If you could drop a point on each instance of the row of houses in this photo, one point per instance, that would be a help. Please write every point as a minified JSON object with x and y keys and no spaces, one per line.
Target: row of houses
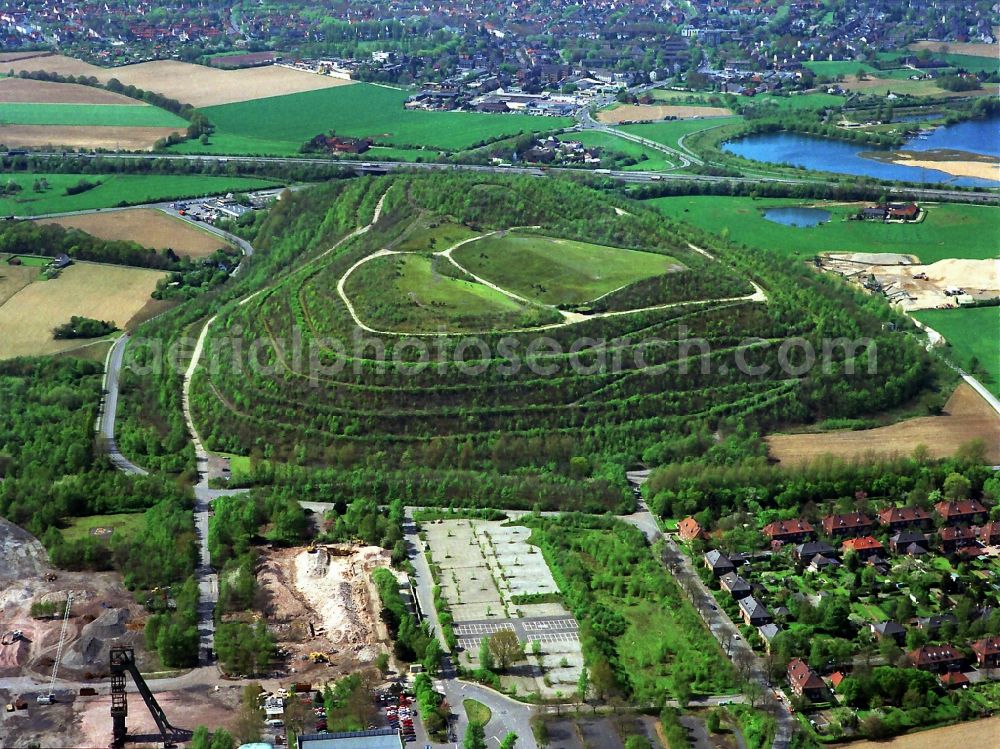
{"x":945,"y":660}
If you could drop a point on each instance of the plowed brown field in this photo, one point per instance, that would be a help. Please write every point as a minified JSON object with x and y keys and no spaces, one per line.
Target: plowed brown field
{"x":197,"y":85}
{"x":966,"y":417}
{"x":83,"y":136}
{"x":23,"y":90}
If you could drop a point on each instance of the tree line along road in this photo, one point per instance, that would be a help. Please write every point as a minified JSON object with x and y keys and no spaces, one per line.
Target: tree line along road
{"x":379,"y":167}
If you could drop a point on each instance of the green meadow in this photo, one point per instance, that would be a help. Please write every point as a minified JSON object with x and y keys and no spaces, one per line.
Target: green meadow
{"x":365,"y":110}
{"x":557,"y":271}
{"x":669,"y":132}
{"x":950,"y":230}
{"x":412,"y":294}
{"x":971,"y":332}
{"x":109,"y":115}
{"x":114,"y":190}
{"x":128,"y":523}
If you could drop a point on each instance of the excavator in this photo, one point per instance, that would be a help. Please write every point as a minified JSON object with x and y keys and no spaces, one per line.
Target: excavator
{"x":122,"y":662}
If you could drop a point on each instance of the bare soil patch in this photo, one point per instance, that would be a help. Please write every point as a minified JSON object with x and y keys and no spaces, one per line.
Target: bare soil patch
{"x":966,"y":416}
{"x":197,"y":85}
{"x":102,"y":292}
{"x":324,"y":603}
{"x":916,"y":287}
{"x":26,"y":577}
{"x":186,"y":708}
{"x":147,"y":226}
{"x":83,"y":136}
{"x":976,"y":49}
{"x":636,"y":112}
{"x":22,"y":91}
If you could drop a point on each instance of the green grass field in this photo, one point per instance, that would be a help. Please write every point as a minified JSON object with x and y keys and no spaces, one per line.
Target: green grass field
{"x":477,"y":712}
{"x":949,"y":231}
{"x":115,"y":189}
{"x":558,"y":271}
{"x":408,"y":294}
{"x":971,"y":333}
{"x":798,"y":101}
{"x":364,"y":110}
{"x":691,"y":98}
{"x":31,"y":261}
{"x":241,"y":145}
{"x":669,"y":133}
{"x":94,"y":115}
{"x":434,"y":235}
{"x":838,"y":67}
{"x":654,"y":160}
{"x":126,"y":522}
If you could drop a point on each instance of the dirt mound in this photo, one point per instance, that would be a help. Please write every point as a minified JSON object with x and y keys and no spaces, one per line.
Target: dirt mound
{"x":338,"y":588}
{"x":112,"y":623}
{"x":13,"y":656}
{"x":96,"y":639}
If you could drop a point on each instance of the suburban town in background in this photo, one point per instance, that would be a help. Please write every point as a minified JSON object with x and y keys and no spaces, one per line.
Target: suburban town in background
{"x":549,"y":375}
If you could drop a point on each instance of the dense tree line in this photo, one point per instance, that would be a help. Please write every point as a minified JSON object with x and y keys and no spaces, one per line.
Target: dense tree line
{"x":411,"y":641}
{"x":243,"y":648}
{"x":83,"y":327}
{"x":70,"y":163}
{"x":235,"y":525}
{"x":49,"y":240}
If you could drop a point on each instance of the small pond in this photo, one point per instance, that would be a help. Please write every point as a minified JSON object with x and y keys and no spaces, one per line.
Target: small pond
{"x":797,"y":216}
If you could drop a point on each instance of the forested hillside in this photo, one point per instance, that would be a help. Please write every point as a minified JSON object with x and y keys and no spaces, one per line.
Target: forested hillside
{"x":378,"y":421}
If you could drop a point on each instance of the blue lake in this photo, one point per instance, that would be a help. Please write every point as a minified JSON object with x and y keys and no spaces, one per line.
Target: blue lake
{"x":796,"y":216}
{"x":842,"y":157}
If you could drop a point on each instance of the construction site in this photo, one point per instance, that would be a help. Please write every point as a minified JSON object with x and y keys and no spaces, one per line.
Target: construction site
{"x":912,"y":286}
{"x":74,"y":662}
{"x":322,"y":608}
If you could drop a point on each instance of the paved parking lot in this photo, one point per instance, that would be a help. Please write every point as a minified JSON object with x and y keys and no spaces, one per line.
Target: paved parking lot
{"x":548,"y":630}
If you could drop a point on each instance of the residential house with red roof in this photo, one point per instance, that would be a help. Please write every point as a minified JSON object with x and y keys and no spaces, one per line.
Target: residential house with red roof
{"x":898,"y":518}
{"x":864,"y":547}
{"x":689,"y":529}
{"x":788,"y":531}
{"x":989,"y":534}
{"x":987,"y":652}
{"x":848,"y":524}
{"x":963,"y":511}
{"x":804,"y":681}
{"x":937,"y":658}
{"x":953,"y":539}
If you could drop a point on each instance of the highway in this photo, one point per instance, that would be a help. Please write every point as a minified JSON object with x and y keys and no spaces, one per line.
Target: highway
{"x":641,"y":177}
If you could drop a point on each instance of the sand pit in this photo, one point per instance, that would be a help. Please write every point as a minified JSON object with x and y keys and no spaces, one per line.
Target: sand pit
{"x":916,"y":287}
{"x":339,"y":589}
{"x":638,"y":112}
{"x":967,"y":415}
{"x":967,"y":168}
{"x":83,"y":136}
{"x":197,"y":85}
{"x":147,"y":226}
{"x":22,"y":90}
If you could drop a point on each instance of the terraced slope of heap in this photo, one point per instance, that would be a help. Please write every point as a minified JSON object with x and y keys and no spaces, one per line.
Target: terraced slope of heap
{"x":542,"y":405}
